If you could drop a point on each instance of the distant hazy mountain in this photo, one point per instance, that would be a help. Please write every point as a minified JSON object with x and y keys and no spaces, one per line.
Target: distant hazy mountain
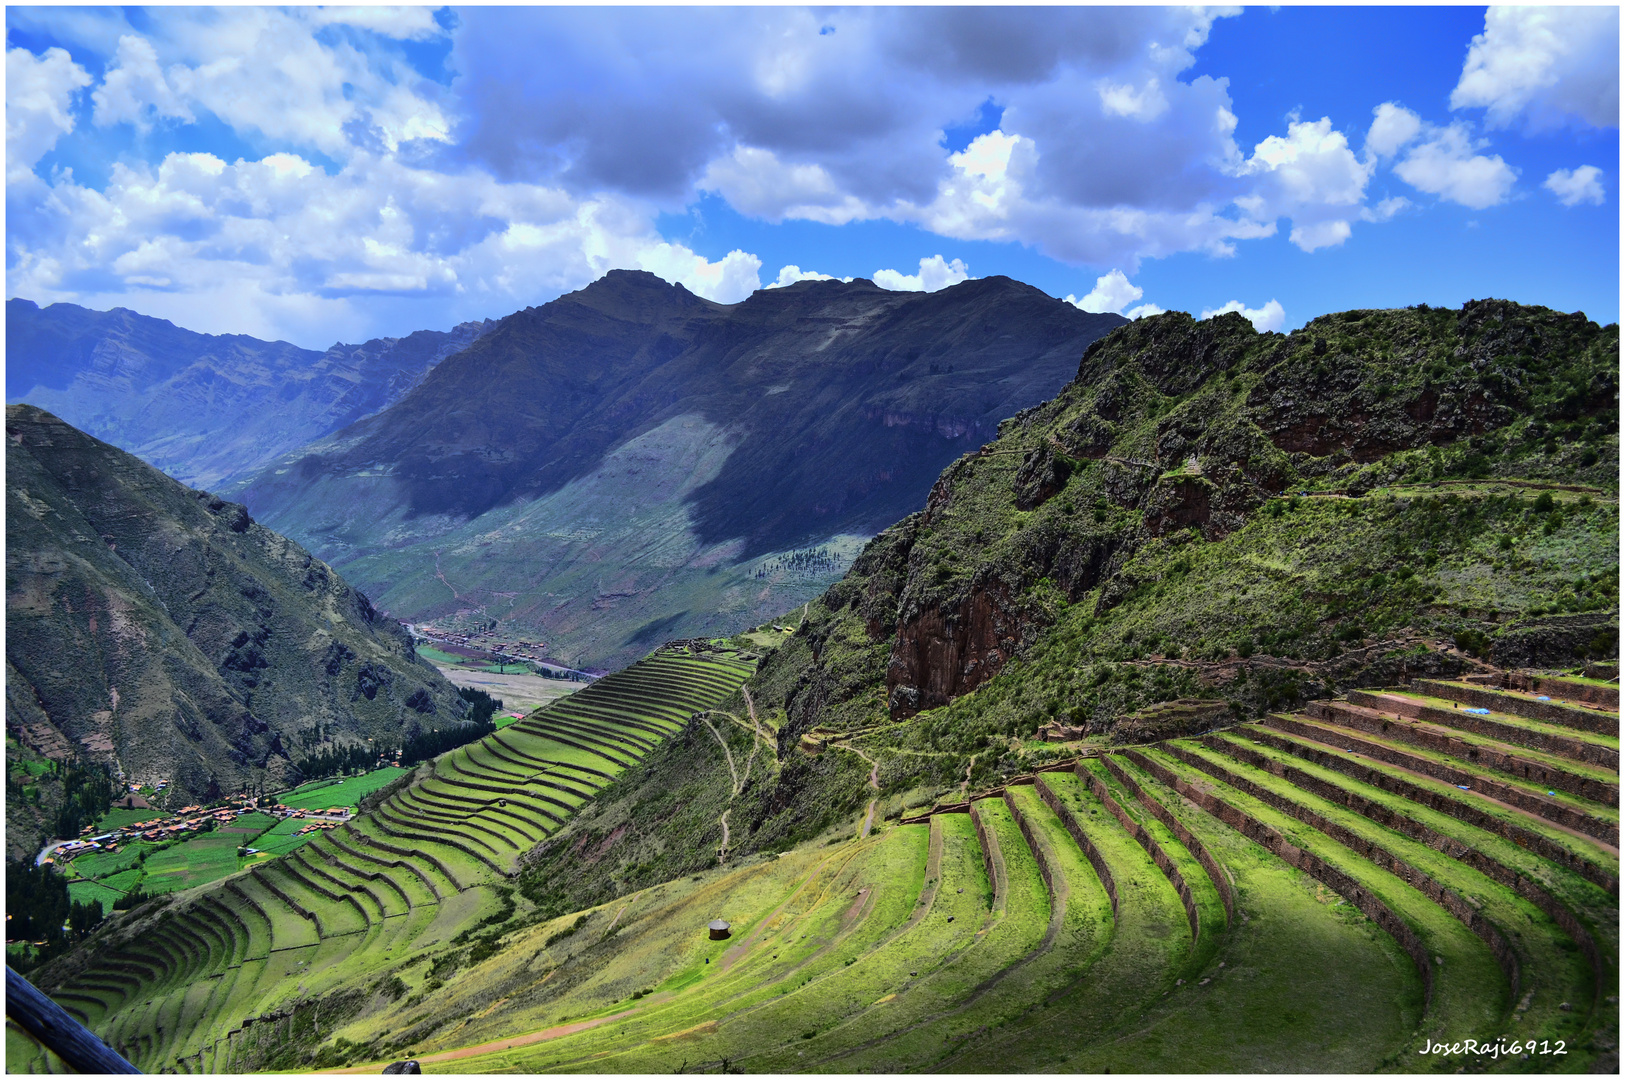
{"x":631,"y":462}
{"x":159,"y":630}
{"x":198,"y":406}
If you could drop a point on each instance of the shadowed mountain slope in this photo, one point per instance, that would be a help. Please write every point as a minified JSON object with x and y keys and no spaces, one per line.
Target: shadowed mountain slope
{"x":159,"y":630}
{"x":799,"y":415}
{"x":203,"y":407}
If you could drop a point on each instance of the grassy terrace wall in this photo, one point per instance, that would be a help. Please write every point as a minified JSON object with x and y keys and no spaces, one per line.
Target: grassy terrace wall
{"x":221,"y":977}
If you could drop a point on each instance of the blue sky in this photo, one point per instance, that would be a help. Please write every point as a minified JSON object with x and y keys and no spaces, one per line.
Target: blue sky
{"x":336,"y":174}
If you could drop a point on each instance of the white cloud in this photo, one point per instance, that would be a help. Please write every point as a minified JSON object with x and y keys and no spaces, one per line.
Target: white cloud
{"x":757,"y":183}
{"x":1143,"y":311}
{"x":279,"y":248}
{"x":727,"y":281}
{"x":789,"y":275}
{"x":400,"y":23}
{"x":1385,"y":210}
{"x":39,"y":93}
{"x":1144,"y":103}
{"x":1573,"y":188}
{"x":134,"y":89}
{"x":1544,"y":66}
{"x":266,"y":71}
{"x":934,"y":274}
{"x":1393,"y":127}
{"x":1270,"y":317}
{"x":1112,"y":292}
{"x":1444,"y":164}
{"x":1311,"y":176}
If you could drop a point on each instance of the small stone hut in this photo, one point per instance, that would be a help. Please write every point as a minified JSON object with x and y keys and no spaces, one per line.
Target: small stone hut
{"x":719,"y":929}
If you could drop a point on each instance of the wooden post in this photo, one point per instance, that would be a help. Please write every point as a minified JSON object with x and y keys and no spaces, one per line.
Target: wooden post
{"x":50,"y":1024}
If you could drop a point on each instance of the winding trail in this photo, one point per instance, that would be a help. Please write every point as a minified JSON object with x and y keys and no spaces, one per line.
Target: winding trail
{"x":874,"y":784}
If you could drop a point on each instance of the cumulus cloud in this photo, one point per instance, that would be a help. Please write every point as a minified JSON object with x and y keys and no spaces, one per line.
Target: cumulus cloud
{"x":1443,"y":163}
{"x":935,"y":273}
{"x":1112,"y":292}
{"x":39,"y":92}
{"x":1544,"y":66}
{"x":1582,"y":185}
{"x":1270,"y":317}
{"x":1311,"y":176}
{"x":1394,"y":126}
{"x":727,"y":281}
{"x":281,"y":248}
{"x":134,"y":90}
{"x":277,"y":73}
{"x":1143,"y":311}
{"x":789,"y":275}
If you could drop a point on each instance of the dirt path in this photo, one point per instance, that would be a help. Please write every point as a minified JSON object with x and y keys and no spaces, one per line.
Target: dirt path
{"x":722,"y":852}
{"x":732,"y":771}
{"x":874,"y":784}
{"x":455,"y":595}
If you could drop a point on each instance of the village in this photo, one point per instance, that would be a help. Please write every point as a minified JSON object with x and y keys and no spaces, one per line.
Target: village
{"x":189,"y":819}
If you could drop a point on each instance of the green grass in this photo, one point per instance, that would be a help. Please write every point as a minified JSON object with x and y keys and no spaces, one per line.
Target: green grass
{"x":1469,"y":990}
{"x":339,"y":791}
{"x":87,"y":891}
{"x":200,"y":859}
{"x":281,"y":838}
{"x":436,"y":656}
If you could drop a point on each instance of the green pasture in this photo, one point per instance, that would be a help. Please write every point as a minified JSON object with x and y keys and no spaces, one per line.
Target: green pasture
{"x":339,"y":791}
{"x":197,"y":860}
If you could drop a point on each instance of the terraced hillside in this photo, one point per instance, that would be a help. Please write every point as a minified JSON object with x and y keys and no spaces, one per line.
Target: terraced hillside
{"x":1340,"y":889}
{"x":1333,"y":890}
{"x":210,"y":980}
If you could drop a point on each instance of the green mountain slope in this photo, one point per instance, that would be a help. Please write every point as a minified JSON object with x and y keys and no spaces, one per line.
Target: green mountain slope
{"x":158,"y":630}
{"x":1136,"y":559}
{"x":631,"y":463}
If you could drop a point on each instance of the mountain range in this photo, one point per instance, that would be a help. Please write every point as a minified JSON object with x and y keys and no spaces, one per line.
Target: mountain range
{"x":203,"y":407}
{"x":631,"y":463}
{"x":626,"y":464}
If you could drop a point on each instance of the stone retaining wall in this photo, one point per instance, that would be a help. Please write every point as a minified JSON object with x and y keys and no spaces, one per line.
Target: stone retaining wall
{"x":1524,"y":838}
{"x":1561,"y":745}
{"x":1215,"y":873}
{"x":1152,"y":848}
{"x":1378,"y":856}
{"x":1086,"y":845}
{"x":1389,"y":818}
{"x":1358,"y":717}
{"x":1311,"y":864}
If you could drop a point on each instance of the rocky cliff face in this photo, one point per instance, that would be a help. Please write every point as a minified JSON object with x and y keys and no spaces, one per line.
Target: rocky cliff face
{"x":161,"y":631}
{"x":804,"y":416}
{"x":204,"y":407}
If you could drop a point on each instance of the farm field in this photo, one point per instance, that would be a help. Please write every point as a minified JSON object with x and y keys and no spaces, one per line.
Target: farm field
{"x":339,"y":791}
{"x":1308,"y":892}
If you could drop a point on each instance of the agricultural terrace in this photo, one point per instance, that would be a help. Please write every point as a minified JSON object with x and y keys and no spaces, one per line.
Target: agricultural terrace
{"x":181,"y":983}
{"x":1327,"y":890}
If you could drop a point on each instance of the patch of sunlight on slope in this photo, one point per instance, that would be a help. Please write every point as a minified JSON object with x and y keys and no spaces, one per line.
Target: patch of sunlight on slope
{"x":610,"y":564}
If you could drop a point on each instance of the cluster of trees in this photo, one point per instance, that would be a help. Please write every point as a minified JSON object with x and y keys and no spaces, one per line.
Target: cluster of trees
{"x":808,"y":561}
{"x":87,"y":792}
{"x":477,"y":725}
{"x":38,"y":909}
{"x":337,"y":760}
